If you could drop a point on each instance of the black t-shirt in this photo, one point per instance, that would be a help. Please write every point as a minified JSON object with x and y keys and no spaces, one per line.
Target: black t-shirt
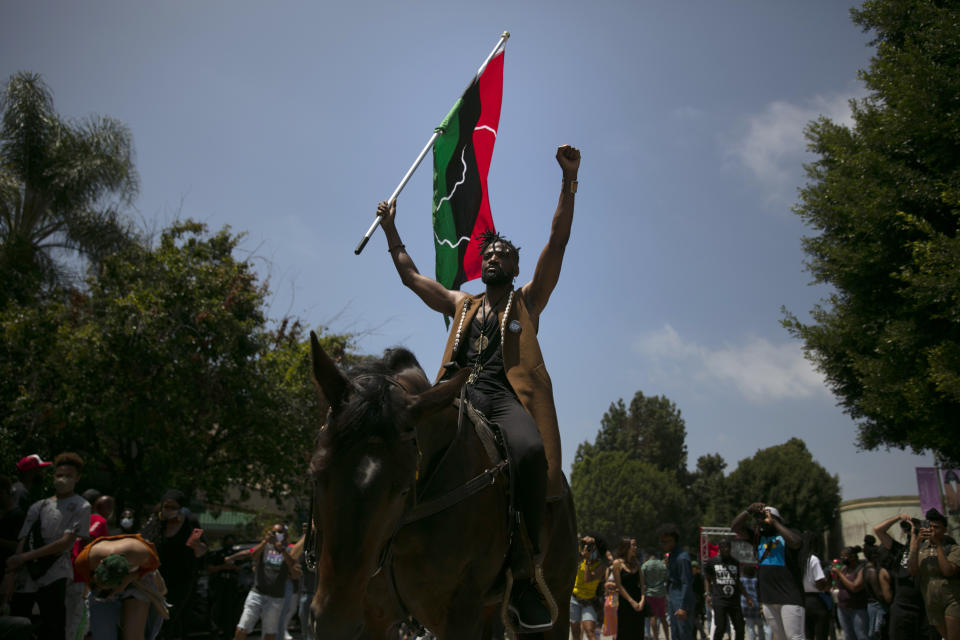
{"x":779,"y":575}
{"x":270,"y":574}
{"x":724,"y":580}
{"x":178,"y":562}
{"x":483,"y":342}
{"x":906,"y":594}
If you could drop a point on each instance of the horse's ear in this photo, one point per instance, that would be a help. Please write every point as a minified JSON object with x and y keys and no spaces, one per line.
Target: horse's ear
{"x":330,"y":382}
{"x":439,"y":396}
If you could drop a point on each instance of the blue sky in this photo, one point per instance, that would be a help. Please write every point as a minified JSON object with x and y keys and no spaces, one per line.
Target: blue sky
{"x":290,"y":120}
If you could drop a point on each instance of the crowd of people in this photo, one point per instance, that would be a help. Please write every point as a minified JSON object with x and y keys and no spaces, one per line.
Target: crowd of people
{"x":907,"y":587}
{"x":69,"y":575}
{"x":85,"y":578}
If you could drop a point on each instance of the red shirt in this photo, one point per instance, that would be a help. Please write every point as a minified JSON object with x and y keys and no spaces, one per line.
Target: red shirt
{"x":98,"y":529}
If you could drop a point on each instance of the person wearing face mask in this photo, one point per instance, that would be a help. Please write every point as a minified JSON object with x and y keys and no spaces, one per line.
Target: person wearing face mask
{"x":273,"y":565}
{"x":128,"y":521}
{"x":41,"y":568}
{"x":178,"y":537}
{"x":780,"y":574}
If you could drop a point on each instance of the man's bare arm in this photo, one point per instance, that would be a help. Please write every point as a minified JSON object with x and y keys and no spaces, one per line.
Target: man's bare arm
{"x":547,"y":272}
{"x":434,"y":294}
{"x":881,"y":529}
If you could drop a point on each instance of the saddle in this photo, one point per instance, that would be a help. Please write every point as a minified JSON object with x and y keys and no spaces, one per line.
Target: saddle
{"x":519,"y":557}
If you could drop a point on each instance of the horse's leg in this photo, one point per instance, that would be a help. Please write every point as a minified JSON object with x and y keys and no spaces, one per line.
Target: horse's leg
{"x":560,"y":565}
{"x":465,"y":619}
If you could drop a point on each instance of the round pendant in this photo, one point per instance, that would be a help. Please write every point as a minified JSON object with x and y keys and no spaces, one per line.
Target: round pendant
{"x":481,"y":343}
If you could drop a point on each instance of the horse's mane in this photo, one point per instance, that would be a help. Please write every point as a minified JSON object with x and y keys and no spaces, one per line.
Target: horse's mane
{"x":370,"y":409}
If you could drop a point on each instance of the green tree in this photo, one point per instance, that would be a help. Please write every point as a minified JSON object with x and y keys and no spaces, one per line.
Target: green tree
{"x":633,"y":477}
{"x":616,"y":495}
{"x":650,"y":429}
{"x":884,"y":200}
{"x":164,"y":372}
{"x":708,"y":491}
{"x":56,"y":178}
{"x":787,"y":477}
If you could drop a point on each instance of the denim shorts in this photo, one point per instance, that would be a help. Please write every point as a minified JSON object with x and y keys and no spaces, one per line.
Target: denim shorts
{"x":582,"y":611}
{"x":264,"y":608}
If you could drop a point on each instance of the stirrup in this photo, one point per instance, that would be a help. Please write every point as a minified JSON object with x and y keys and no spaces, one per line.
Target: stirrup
{"x":505,"y":610}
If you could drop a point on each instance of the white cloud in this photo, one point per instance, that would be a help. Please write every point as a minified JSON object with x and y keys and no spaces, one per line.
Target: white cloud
{"x":760,"y":370}
{"x":773,"y":147}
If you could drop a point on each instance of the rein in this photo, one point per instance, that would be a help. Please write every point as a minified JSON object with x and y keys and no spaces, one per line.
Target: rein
{"x":418,"y":510}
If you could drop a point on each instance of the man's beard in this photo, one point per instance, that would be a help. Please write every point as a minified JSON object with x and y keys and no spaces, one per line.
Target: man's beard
{"x":495,"y":278}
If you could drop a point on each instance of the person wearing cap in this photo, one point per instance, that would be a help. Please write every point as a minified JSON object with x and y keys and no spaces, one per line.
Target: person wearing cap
{"x":780,"y":575}
{"x":41,"y":568}
{"x":26,"y":490}
{"x":936,"y":564}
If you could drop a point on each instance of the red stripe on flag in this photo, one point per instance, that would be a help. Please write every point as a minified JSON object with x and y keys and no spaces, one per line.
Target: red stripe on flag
{"x":491,"y":95}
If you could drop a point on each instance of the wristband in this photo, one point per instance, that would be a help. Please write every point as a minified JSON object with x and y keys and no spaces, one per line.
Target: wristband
{"x":572,"y":189}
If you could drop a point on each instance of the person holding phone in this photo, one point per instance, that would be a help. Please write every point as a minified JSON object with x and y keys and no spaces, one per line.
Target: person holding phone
{"x":937,"y":566}
{"x":272,"y":566}
{"x":583,"y":609}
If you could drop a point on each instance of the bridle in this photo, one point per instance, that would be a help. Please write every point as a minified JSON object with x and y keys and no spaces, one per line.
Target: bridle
{"x":415,"y":510}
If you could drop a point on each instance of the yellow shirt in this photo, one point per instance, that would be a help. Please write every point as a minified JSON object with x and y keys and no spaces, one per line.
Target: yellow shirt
{"x":582,"y":588}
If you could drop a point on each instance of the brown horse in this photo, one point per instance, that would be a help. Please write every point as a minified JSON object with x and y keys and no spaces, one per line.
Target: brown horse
{"x":390,"y":448}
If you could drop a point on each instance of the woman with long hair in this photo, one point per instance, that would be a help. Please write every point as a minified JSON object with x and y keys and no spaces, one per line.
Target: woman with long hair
{"x":852,"y":596}
{"x":629,"y":581}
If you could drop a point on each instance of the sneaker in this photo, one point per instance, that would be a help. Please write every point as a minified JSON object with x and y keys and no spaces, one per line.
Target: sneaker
{"x":532,"y":616}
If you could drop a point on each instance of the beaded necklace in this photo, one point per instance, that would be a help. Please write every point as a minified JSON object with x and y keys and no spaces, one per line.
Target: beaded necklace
{"x":482,"y":341}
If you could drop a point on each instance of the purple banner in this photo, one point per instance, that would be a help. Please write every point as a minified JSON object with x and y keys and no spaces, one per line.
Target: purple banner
{"x":951,"y":491}
{"x":928,"y":484}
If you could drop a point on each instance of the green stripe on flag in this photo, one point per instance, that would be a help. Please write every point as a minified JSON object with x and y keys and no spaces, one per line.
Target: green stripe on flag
{"x":448,"y":258}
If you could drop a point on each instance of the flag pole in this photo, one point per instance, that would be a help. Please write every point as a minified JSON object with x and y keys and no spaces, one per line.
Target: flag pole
{"x":426,"y":149}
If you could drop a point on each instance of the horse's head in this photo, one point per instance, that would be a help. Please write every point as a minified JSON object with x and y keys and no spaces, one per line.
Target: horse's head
{"x":363,"y":471}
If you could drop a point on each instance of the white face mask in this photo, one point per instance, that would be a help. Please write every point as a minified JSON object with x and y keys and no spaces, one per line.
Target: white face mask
{"x":279,"y":536}
{"x":127,"y":523}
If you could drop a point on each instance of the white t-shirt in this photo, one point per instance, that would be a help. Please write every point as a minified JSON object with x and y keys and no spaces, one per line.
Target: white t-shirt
{"x":57,"y":517}
{"x":811,"y":573}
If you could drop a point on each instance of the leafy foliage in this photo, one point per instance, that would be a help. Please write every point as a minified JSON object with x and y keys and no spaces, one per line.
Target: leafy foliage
{"x":884,"y":200}
{"x":787,"y":477}
{"x":56,"y":178}
{"x":651,"y":429}
{"x":165,"y":373}
{"x":619,"y":495}
{"x":633,"y":476}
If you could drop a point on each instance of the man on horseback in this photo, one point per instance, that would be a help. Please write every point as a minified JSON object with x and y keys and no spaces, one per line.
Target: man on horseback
{"x":494,"y":334}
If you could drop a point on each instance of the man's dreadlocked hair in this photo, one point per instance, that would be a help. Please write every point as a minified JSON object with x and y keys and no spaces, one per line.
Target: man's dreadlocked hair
{"x":489,"y":237}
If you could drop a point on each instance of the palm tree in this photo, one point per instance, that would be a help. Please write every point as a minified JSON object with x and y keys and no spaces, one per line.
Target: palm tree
{"x":57,"y":179}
